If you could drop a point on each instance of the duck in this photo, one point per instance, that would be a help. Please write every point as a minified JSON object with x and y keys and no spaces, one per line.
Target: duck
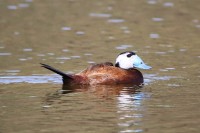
{"x":124,"y":71}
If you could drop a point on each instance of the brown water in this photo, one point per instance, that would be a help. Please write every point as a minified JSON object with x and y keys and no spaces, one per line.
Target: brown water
{"x":72,"y":34}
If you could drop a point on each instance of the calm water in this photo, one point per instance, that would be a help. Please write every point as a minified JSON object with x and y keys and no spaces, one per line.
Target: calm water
{"x":72,"y":34}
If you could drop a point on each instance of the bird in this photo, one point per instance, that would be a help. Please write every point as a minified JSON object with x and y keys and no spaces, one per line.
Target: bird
{"x":125,"y":71}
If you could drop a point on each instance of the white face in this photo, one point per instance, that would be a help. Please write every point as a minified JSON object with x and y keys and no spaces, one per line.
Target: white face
{"x":129,"y":60}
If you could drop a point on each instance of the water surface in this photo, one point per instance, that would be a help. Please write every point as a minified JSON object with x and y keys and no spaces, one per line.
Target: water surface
{"x":70,"y":35}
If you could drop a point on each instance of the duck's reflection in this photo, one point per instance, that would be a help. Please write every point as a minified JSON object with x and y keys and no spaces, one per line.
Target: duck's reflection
{"x":102,"y":90}
{"x":128,"y":100}
{"x":130,"y":110}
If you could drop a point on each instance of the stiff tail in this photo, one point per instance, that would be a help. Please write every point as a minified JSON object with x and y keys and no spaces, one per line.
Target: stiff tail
{"x":64,"y":75}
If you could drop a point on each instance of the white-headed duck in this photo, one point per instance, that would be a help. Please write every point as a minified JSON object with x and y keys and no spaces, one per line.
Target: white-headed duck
{"x":123,"y":72}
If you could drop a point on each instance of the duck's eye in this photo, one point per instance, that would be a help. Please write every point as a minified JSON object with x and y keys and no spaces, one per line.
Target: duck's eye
{"x":141,"y":63}
{"x":117,"y":64}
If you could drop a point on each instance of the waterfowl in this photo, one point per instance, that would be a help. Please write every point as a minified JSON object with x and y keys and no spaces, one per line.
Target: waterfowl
{"x":123,"y":72}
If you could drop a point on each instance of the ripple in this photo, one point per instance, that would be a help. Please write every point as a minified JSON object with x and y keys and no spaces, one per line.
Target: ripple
{"x":170,"y":68}
{"x":152,"y":2}
{"x":161,"y":53}
{"x":132,"y":131}
{"x":66,"y":28}
{"x":76,"y":56}
{"x":30,"y":79}
{"x":27,"y":49}
{"x":100,"y":15}
{"x":23,"y":5}
{"x":51,"y":54}
{"x":168,"y":4}
{"x":116,"y":20}
{"x":63,"y":58}
{"x":154,"y":35}
{"x":148,"y":78}
{"x":197,"y":26}
{"x":88,"y":54}
{"x":12,"y":71}
{"x":28,"y":0}
{"x":54,"y":78}
{"x":182,"y":50}
{"x":80,"y":33}
{"x":65,"y":50}
{"x":40,"y":55}
{"x":46,"y":106}
{"x":90,"y":62}
{"x":124,"y":46}
{"x":12,"y":7}
{"x":5,"y":54}
{"x":22,"y":59}
{"x":16,"y":33}
{"x":173,"y":85}
{"x":157,"y":19}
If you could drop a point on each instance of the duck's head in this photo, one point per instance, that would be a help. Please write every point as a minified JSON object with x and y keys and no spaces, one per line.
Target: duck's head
{"x":129,"y":59}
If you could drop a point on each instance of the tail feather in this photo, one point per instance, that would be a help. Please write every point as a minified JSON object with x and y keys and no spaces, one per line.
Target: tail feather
{"x":64,"y":75}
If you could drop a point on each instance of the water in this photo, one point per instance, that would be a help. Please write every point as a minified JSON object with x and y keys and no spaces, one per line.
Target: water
{"x":70,"y":35}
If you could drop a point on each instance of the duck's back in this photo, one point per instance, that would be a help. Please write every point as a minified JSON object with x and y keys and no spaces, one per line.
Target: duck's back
{"x":106,"y":73}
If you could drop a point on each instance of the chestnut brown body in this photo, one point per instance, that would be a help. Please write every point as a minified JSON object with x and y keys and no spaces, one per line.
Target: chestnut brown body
{"x":104,"y":73}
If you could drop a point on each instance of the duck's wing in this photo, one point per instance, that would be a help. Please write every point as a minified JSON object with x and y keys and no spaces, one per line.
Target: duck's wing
{"x":95,"y":68}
